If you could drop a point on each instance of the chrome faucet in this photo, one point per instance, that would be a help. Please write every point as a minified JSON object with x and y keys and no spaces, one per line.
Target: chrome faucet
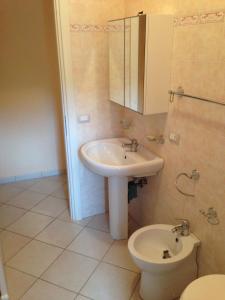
{"x":133,"y":145}
{"x":183,"y":229}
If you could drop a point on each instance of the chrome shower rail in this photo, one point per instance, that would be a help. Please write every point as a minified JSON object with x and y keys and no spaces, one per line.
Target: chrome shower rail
{"x":180,"y":93}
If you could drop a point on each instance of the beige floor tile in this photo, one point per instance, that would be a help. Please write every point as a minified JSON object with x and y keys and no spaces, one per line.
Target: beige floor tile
{"x":70,"y":271}
{"x":61,"y":192}
{"x":109,"y":283}
{"x":46,"y":186}
{"x":65,"y":216}
{"x":9,"y":214}
{"x":58,"y":178}
{"x":7,"y":191}
{"x":59,"y":233}
{"x":26,"y":199}
{"x":92,"y":243}
{"x":34,"y":258}
{"x":119,"y":255}
{"x":42,"y":290}
{"x":11,"y":243}
{"x":80,"y":297}
{"x":51,"y":206}
{"x":30,"y":224}
{"x":100,"y":222}
{"x":18,"y":283}
{"x":25,"y":184}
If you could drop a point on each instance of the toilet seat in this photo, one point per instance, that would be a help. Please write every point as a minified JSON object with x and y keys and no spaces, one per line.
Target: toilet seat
{"x":206,"y":288}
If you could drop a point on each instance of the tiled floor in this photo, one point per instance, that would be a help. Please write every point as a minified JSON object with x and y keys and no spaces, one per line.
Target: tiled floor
{"x":47,"y":256}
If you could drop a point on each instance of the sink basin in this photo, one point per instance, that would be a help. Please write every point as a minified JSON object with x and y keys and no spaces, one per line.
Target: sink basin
{"x":108,"y":158}
{"x":167,"y":261}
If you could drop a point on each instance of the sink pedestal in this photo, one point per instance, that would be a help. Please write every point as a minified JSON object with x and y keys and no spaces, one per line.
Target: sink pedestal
{"x":107,"y":158}
{"x":118,"y":207}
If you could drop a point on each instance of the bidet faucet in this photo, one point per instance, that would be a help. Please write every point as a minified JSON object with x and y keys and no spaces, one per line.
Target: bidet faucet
{"x":183,"y":229}
{"x":133,"y":145}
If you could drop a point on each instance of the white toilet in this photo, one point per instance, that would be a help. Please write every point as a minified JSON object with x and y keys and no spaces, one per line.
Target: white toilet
{"x":167,"y":261}
{"x":206,"y":288}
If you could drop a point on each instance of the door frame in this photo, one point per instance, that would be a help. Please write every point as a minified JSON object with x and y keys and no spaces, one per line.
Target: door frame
{"x":62,"y":28}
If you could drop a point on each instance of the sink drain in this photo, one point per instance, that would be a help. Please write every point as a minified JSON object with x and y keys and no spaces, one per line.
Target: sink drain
{"x":166,"y":254}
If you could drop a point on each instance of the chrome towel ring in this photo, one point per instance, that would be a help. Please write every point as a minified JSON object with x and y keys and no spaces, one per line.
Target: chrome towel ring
{"x":195,"y":175}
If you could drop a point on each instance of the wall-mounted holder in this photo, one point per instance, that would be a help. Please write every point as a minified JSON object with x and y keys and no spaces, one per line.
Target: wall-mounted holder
{"x":180,"y":93}
{"x":211,"y":215}
{"x":195,"y":175}
{"x":159,"y":139}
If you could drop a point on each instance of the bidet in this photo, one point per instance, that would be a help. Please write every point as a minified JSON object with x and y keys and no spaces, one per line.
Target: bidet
{"x":167,"y":261}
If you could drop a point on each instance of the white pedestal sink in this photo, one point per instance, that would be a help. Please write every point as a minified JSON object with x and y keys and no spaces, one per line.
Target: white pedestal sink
{"x":108,"y":158}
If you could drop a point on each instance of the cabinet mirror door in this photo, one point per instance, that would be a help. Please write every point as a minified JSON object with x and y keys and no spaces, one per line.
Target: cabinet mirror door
{"x":116,"y":61}
{"x":127,"y":62}
{"x":135,"y":62}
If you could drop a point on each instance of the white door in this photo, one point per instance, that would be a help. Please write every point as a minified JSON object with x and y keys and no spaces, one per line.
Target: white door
{"x":3,"y":286}
{"x":67,"y":95}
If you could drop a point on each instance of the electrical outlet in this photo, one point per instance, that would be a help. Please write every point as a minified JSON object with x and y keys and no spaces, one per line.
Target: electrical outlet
{"x":84,"y":118}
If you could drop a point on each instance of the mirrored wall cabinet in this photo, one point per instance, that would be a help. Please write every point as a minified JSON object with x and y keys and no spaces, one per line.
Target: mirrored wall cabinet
{"x":140,"y":51}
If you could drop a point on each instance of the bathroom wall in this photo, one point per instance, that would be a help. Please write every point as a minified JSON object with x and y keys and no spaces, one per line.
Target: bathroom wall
{"x":199,"y":66}
{"x":89,"y":39}
{"x":31,"y":135}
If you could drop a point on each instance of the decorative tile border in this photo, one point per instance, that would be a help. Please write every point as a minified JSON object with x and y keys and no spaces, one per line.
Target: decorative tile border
{"x":210,"y":17}
{"x":95,"y":28}
{"x":187,"y":20}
